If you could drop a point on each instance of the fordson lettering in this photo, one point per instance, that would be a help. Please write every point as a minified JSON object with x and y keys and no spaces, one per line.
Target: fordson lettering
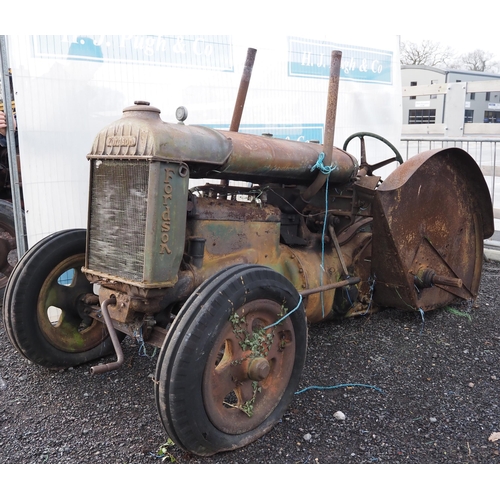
{"x":165,"y":216}
{"x":121,"y":141}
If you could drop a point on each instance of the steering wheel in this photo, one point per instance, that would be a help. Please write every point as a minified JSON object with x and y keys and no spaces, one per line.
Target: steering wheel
{"x":370,"y":168}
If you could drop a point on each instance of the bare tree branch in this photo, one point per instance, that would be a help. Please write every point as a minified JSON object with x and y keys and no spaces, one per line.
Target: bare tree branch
{"x":430,"y":53}
{"x":479,"y":60}
{"x":427,"y":53}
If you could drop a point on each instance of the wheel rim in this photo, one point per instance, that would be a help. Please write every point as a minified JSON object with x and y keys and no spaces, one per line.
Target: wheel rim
{"x":8,"y":255}
{"x":249,"y":367}
{"x":60,"y":310}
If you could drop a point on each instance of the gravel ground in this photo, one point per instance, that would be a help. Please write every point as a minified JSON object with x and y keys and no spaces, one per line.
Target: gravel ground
{"x":427,"y":394}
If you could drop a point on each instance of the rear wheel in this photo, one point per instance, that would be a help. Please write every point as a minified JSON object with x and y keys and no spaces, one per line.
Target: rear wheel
{"x":43,"y":308}
{"x":232,"y":361}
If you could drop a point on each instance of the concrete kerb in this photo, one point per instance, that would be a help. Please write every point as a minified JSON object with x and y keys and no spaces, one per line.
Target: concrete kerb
{"x":492,"y":245}
{"x":492,"y":250}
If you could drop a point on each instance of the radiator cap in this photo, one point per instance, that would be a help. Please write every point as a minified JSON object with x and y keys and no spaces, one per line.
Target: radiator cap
{"x":142,"y":106}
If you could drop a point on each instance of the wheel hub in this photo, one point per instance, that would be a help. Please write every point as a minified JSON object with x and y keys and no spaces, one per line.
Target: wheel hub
{"x":59,"y":309}
{"x":258,"y":369}
{"x":249,"y":367}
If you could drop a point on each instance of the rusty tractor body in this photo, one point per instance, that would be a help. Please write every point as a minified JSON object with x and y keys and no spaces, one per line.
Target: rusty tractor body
{"x":224,"y":277}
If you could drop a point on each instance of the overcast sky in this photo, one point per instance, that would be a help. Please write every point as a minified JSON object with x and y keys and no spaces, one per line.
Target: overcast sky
{"x":464,"y":27}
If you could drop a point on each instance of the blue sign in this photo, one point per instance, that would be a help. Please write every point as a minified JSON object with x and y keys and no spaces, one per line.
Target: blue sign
{"x":210,"y":52}
{"x":312,"y":59}
{"x":306,"y":132}
{"x":299,"y":132}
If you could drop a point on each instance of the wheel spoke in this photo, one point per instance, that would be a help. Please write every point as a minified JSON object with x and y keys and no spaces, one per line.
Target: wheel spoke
{"x":59,"y":296}
{"x":227,"y":372}
{"x":282,"y":339}
{"x":247,"y":395}
{"x":80,"y":281}
{"x":363,"y":150}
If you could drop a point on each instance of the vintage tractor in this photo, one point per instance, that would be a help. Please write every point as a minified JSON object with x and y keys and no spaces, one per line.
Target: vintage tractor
{"x":224,"y":278}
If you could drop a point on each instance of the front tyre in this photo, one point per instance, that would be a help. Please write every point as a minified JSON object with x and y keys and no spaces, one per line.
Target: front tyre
{"x":43,"y":310}
{"x":232,"y":360}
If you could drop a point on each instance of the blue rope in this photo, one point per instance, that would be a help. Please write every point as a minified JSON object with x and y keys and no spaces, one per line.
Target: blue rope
{"x":423,"y":320}
{"x":142,"y":345}
{"x":286,"y":315}
{"x":371,"y":282}
{"x":327,"y":170}
{"x":339,"y":387}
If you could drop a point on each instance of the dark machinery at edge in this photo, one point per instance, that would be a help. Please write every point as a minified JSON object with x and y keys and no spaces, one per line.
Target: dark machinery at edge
{"x":224,"y":279}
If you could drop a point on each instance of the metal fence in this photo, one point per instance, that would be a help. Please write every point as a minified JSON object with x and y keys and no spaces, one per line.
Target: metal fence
{"x":486,"y":153}
{"x":480,"y":140}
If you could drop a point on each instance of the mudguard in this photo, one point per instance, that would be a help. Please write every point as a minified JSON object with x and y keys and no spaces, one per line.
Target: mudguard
{"x":431,"y":216}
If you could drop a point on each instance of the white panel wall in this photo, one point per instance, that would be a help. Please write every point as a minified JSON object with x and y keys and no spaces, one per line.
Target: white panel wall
{"x":68,"y":87}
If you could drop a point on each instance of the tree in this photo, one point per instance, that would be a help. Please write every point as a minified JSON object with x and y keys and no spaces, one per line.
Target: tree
{"x":479,"y":60}
{"x":427,"y":53}
{"x":430,"y":53}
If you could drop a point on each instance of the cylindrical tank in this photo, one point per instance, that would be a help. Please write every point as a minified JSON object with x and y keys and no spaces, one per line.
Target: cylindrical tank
{"x":213,"y":153}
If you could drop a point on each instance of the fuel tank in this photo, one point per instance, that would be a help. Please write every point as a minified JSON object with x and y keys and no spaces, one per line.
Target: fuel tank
{"x":210,"y":153}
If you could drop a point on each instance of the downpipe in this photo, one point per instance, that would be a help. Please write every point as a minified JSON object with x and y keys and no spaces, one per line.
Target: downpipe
{"x":114,"y":338}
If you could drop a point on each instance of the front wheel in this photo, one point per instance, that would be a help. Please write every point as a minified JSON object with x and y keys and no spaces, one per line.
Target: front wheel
{"x":232,"y":360}
{"x":43,"y":310}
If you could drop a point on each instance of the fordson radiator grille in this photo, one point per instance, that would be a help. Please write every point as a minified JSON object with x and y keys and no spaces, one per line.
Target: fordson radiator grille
{"x":117,"y":218}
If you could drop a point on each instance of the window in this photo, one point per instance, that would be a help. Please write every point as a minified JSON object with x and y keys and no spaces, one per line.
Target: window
{"x":472,"y":96}
{"x":469,"y":116}
{"x":488,"y":96}
{"x":413,"y":84}
{"x":419,"y":116}
{"x":492,"y":117}
{"x":433,"y":96}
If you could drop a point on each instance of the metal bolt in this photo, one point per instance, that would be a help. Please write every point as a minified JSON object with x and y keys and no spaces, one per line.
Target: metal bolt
{"x":258,"y":369}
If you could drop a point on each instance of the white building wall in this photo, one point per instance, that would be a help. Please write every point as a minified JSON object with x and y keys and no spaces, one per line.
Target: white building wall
{"x":68,"y":87}
{"x":426,"y":75}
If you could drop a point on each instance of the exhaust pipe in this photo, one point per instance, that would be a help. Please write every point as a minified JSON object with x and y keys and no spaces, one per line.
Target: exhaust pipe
{"x":242,"y":95}
{"x":331,"y":115}
{"x":114,"y":338}
{"x":242,"y":92}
